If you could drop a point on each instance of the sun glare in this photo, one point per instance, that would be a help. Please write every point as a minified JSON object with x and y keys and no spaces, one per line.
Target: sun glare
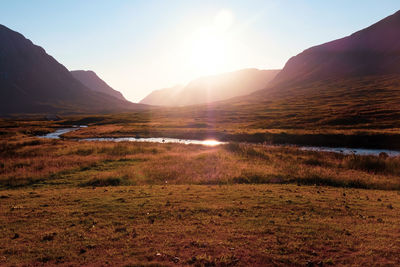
{"x":211,"y":142}
{"x":224,"y":20}
{"x":207,"y":48}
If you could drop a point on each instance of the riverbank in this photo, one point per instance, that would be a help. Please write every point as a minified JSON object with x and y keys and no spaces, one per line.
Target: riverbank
{"x":140,"y":126}
{"x":369,"y":139}
{"x":59,"y":133}
{"x":95,"y":203}
{"x":32,"y":161}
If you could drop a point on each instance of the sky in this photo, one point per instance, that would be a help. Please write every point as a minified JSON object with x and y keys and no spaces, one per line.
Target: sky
{"x":140,"y":46}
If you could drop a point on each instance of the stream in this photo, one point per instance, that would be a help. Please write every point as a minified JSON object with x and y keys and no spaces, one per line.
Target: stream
{"x":342,"y":150}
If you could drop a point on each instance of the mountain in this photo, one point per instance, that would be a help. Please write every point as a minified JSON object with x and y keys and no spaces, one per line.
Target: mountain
{"x":371,"y":51}
{"x":93,"y":82}
{"x":212,"y":88}
{"x":353,"y":82}
{"x":163,"y":97}
{"x":31,"y":81}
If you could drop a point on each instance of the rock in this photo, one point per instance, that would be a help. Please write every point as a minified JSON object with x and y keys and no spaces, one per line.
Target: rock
{"x":383,"y":155}
{"x":49,"y":237}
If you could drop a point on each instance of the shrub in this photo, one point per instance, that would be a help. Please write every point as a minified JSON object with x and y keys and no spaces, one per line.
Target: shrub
{"x":110,"y":181}
{"x":256,"y":178}
{"x":247,"y":150}
{"x":374,"y":164}
{"x":85,"y":151}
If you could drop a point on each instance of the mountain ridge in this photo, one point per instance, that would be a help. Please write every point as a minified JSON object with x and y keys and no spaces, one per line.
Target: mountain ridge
{"x":373,"y":50}
{"x":92,"y":81}
{"x":212,"y":88}
{"x":31,"y":81}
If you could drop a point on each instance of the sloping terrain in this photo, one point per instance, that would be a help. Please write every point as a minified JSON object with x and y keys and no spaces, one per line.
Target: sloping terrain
{"x":371,"y":51}
{"x":212,"y":88}
{"x":353,"y":82}
{"x":163,"y":97}
{"x":92,"y":81}
{"x":31,"y":81}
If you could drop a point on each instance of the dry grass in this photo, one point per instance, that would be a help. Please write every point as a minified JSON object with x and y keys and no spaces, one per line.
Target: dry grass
{"x":241,"y":225}
{"x":31,"y":161}
{"x":135,"y":204}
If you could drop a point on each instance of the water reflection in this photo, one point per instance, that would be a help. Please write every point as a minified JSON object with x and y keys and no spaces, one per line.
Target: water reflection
{"x":160,"y":140}
{"x":212,"y":142}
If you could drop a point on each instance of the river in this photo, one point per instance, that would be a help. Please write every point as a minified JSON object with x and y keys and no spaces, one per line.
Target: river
{"x":342,"y":150}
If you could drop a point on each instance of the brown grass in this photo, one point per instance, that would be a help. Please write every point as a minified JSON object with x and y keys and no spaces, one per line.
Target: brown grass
{"x":27,"y":161}
{"x":143,"y":204}
{"x":169,"y":225}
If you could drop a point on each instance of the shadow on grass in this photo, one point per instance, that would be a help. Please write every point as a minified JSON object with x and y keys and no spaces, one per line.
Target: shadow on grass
{"x":110,"y":181}
{"x":311,"y":179}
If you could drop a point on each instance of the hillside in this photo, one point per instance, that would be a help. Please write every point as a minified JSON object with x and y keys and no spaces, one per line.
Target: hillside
{"x":31,"y":81}
{"x":371,"y":51}
{"x":92,"y":81}
{"x":353,"y":82}
{"x":212,"y":88}
{"x":163,"y":97}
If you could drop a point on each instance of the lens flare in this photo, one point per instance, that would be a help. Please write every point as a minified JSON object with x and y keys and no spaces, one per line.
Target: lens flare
{"x":223,"y":21}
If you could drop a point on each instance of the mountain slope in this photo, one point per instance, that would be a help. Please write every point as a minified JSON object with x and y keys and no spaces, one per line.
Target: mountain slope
{"x":212,"y":88}
{"x":93,"y":82}
{"x":163,"y":97}
{"x":31,"y":81}
{"x":371,"y":51}
{"x":353,"y":82}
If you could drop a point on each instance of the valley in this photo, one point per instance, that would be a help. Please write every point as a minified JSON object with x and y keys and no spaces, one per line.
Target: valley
{"x":297,"y":166}
{"x":86,"y":202}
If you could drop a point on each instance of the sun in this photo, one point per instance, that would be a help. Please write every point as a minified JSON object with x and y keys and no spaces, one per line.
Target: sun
{"x":207,"y":47}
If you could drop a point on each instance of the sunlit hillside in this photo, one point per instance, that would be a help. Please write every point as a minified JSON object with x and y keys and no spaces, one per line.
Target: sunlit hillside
{"x":212,"y":88}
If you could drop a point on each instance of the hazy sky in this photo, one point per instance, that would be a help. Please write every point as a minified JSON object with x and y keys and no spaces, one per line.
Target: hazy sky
{"x":139,"y":46}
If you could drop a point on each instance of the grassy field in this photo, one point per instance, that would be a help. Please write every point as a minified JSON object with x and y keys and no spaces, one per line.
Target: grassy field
{"x":72,"y":202}
{"x":354,"y":112}
{"x":199,"y":225}
{"x":29,"y":161}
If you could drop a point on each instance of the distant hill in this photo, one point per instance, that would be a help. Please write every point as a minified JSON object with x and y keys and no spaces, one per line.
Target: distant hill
{"x":31,"y":81}
{"x":163,"y":97}
{"x":212,"y":88}
{"x":371,"y":51}
{"x":92,"y":81}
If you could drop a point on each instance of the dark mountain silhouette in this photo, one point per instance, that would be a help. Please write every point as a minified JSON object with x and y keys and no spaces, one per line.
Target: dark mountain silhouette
{"x":92,"y":81}
{"x":212,"y":88}
{"x":350,"y":82}
{"x":371,"y":51}
{"x":31,"y":81}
